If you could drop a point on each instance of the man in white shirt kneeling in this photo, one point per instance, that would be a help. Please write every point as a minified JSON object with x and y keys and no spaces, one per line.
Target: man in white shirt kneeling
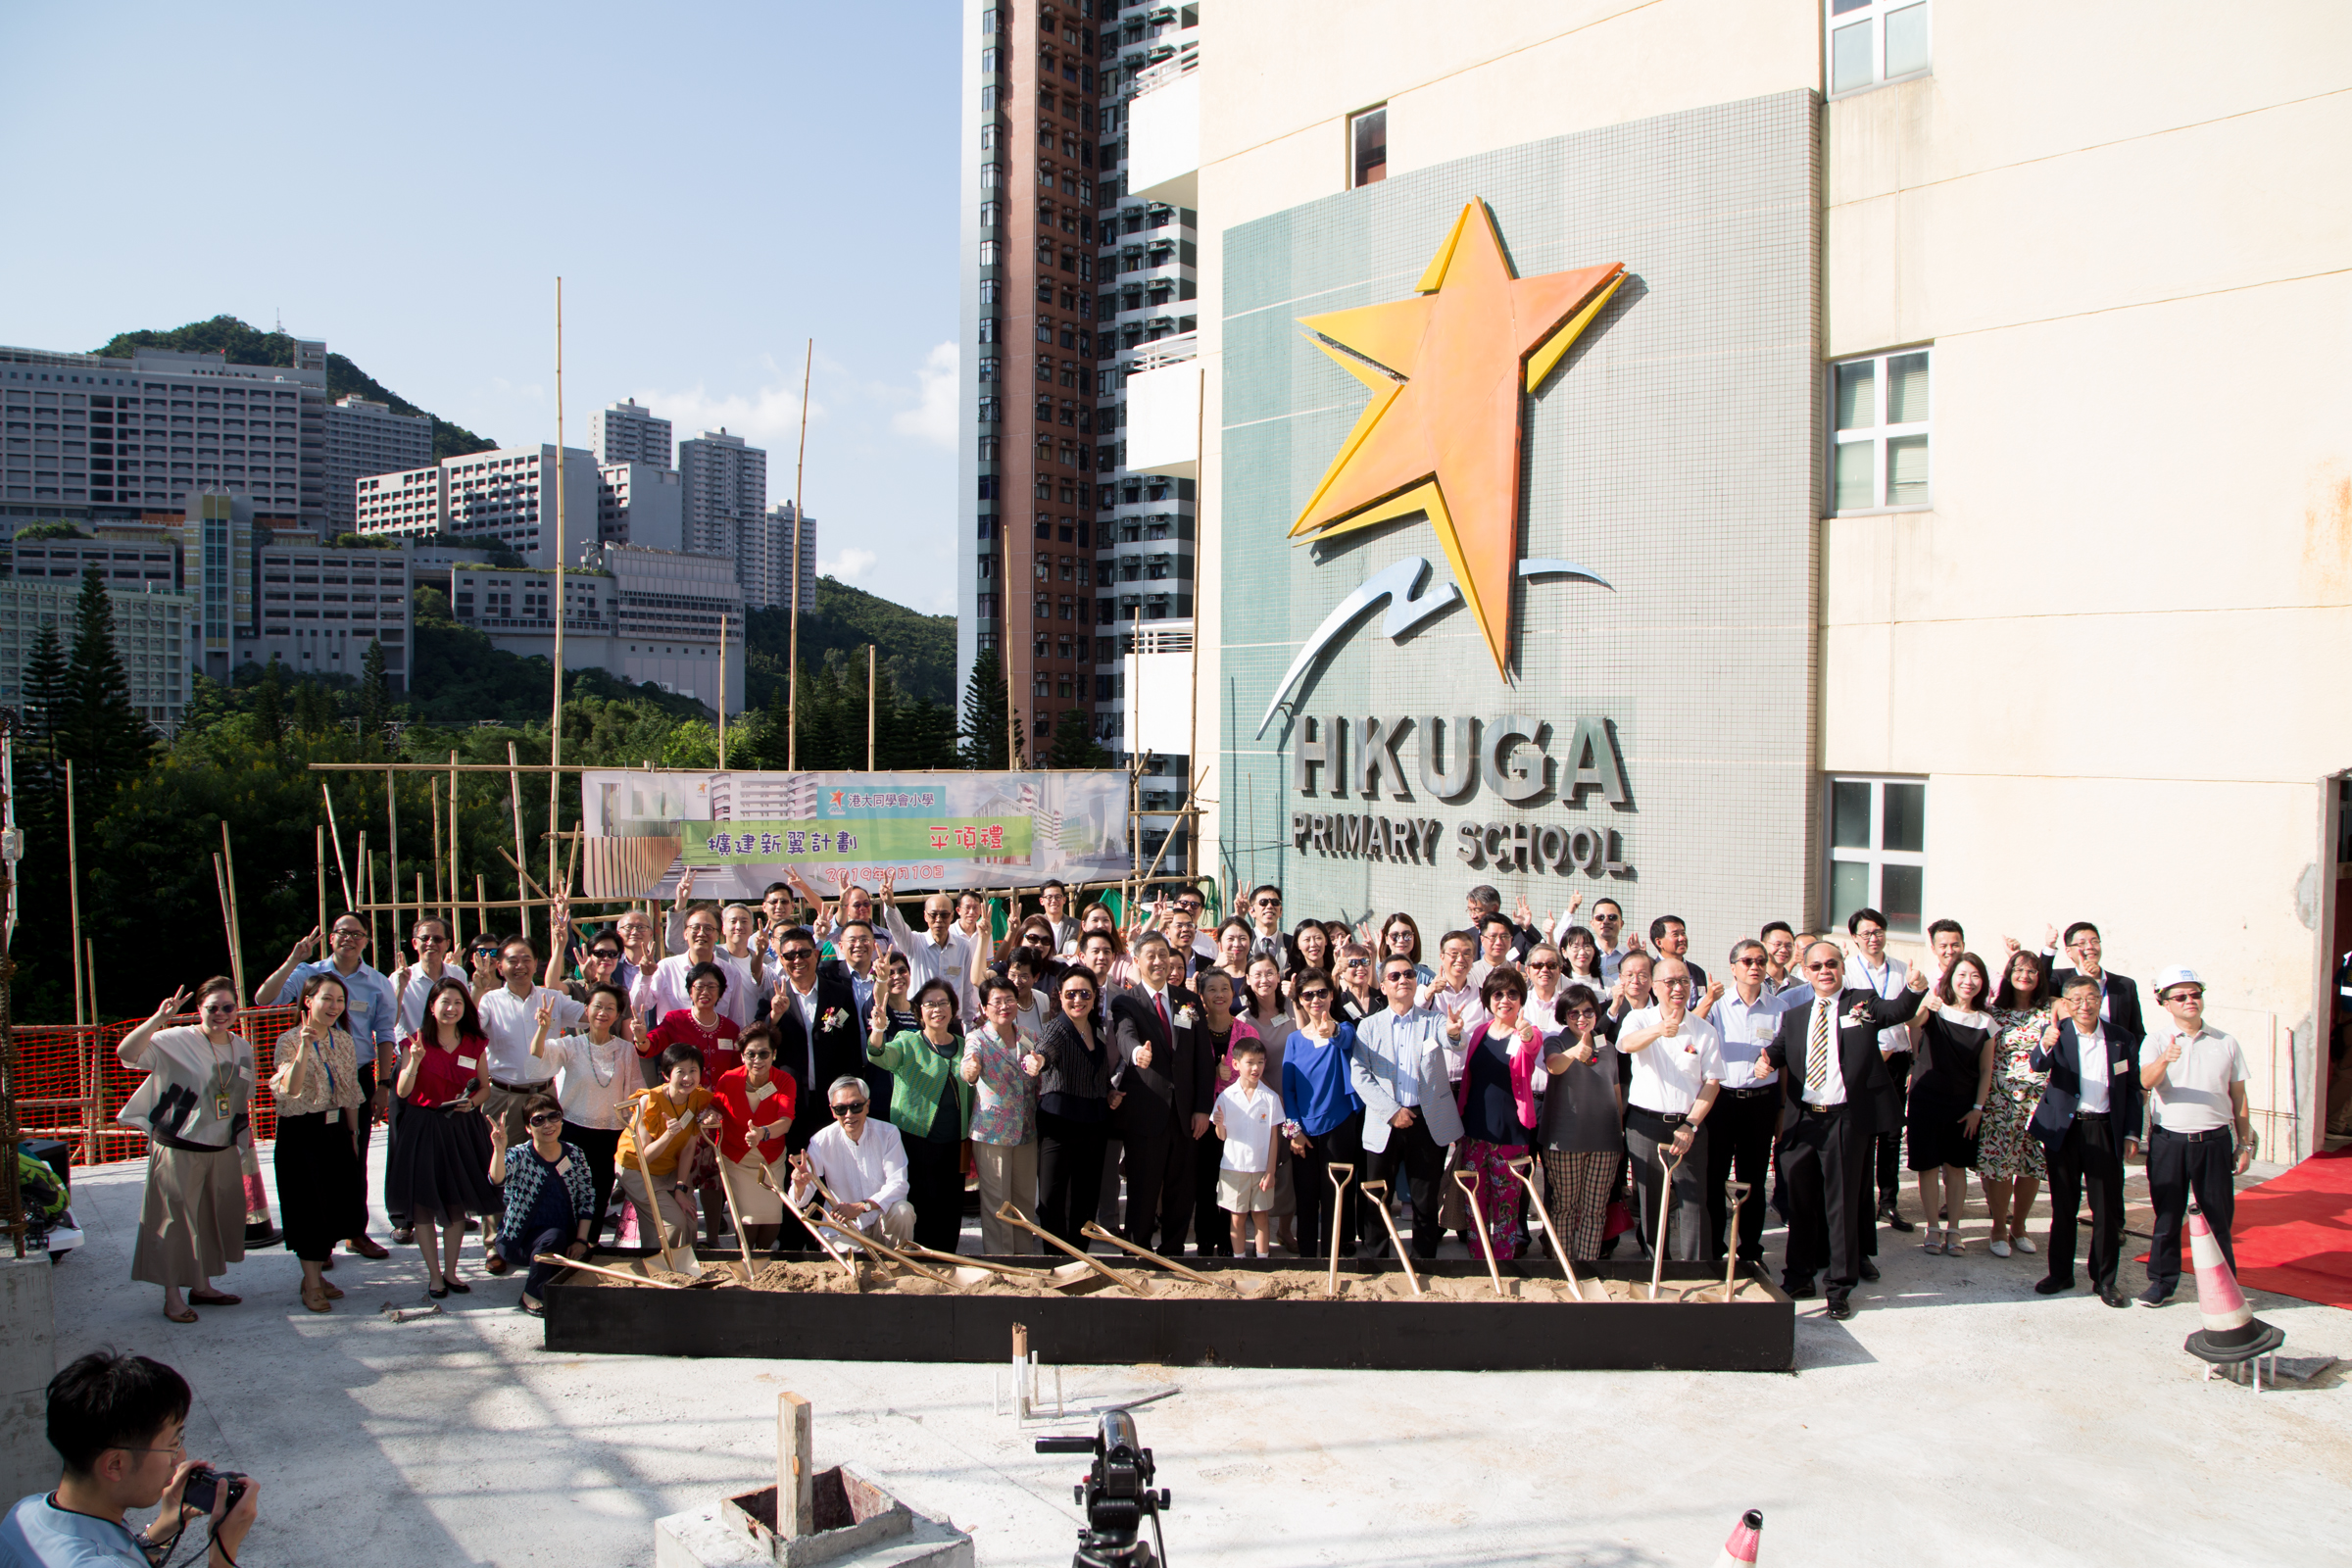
{"x":861,"y":1163}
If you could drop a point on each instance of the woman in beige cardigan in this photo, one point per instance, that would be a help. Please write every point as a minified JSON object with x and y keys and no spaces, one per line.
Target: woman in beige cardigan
{"x":321,"y":1197}
{"x":193,"y":1107}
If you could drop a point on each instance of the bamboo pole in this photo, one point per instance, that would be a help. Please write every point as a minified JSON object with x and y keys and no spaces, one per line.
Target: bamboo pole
{"x":555,"y":728}
{"x":723,"y":697}
{"x":481,"y":903}
{"x":73,"y":893}
{"x":792,"y":651}
{"x":870,"y":708}
{"x":236,"y":934}
{"x":457,"y":889}
{"x":341,"y":875}
{"x":319,"y":832}
{"x":366,"y":891}
{"x":229,"y":924}
{"x":522,"y":850}
{"x":433,"y":788}
{"x":392,"y":855}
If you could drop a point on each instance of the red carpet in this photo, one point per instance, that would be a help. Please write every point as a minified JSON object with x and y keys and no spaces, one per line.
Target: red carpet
{"x":2293,"y":1232}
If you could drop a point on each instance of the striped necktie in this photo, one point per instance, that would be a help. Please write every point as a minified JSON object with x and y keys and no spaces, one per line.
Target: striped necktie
{"x":1817,"y":1051}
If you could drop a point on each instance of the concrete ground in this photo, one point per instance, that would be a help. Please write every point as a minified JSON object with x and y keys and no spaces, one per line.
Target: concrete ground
{"x":1958,"y":1419}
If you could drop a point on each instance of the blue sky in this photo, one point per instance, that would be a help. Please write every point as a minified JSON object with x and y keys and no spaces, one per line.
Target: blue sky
{"x":715,"y":183}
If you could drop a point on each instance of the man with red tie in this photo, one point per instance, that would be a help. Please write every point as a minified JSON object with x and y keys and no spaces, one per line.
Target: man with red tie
{"x":1841,"y":1098}
{"x":1162,"y":1090}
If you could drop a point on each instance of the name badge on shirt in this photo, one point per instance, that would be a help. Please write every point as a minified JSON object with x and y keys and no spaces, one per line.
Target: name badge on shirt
{"x":1762,"y":1030}
{"x":758,"y":1097}
{"x":467,"y":1061}
{"x":2119,"y":1068}
{"x":563,"y":1166}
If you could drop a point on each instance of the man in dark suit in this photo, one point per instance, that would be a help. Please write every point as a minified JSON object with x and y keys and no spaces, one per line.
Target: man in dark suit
{"x":1162,"y":1090}
{"x":820,"y":1036}
{"x":2087,"y":1122}
{"x":2118,"y":997}
{"x":1839,"y":1099}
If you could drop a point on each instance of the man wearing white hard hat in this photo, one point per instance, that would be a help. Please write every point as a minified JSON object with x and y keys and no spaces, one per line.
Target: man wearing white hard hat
{"x":2200,"y":1138}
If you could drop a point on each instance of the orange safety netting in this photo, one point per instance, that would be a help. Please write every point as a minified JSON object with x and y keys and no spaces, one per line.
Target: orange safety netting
{"x":71,"y":1084}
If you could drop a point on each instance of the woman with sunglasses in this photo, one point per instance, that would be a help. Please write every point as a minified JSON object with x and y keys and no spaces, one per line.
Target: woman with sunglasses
{"x":548,"y":1203}
{"x":1326,"y":1125}
{"x":440,"y":1146}
{"x":1582,"y":1131}
{"x":1073,"y":1110}
{"x":1400,"y":938}
{"x":931,"y":1106}
{"x":194,"y":1106}
{"x":756,"y":1103}
{"x":1358,"y":996}
{"x":321,"y":1195}
{"x":1497,"y":1102}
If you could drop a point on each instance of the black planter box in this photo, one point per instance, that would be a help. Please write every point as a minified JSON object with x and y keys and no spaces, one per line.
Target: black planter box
{"x":1114,"y":1328}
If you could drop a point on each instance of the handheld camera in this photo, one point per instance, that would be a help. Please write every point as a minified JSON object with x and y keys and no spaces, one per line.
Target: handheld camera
{"x":205,"y":1485}
{"x":1116,"y":1493}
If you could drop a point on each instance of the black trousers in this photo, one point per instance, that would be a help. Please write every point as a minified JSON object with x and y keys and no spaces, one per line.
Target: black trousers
{"x":1740,"y":1133}
{"x":935,"y":1187}
{"x":1825,"y":1157}
{"x":1310,"y":1180}
{"x":1159,"y":1170}
{"x":2180,"y":1164}
{"x":1215,"y":1237}
{"x":321,"y":1197}
{"x":398,"y":1216}
{"x":1069,"y":1174}
{"x":599,"y":1145}
{"x":363,"y":1126}
{"x":2091,"y":1156}
{"x":1413,"y":1153}
{"x":1890,"y":1142}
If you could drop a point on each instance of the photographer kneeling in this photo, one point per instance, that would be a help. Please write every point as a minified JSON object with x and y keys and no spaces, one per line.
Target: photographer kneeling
{"x":118,"y":1423}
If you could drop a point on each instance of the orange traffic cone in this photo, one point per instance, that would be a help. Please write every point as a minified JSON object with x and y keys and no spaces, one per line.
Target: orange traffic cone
{"x":1740,"y":1547}
{"x":2231,"y":1333}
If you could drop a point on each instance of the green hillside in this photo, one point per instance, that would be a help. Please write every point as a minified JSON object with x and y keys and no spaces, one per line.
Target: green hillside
{"x":250,"y":345}
{"x":917,"y":651}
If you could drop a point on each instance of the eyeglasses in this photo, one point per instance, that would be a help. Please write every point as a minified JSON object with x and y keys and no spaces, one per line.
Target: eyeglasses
{"x":759,"y":1055}
{"x":1083,"y":996}
{"x":431,"y":941}
{"x":2185,"y":996}
{"x":1583,"y":1012}
{"x":604,"y":956}
{"x":848,"y":1110}
{"x":218,"y":1006}
{"x":1395,"y":975}
{"x":1674,"y":985}
{"x":1359,"y":963}
{"x":546,"y":1118}
{"x":1827,"y":966}
{"x":1609,"y":919}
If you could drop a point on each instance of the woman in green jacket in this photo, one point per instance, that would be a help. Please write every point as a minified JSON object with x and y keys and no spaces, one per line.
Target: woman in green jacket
{"x":930,"y":1104}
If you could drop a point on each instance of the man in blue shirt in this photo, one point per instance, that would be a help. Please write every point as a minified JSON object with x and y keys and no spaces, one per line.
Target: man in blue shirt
{"x":373,"y":1018}
{"x":119,"y":1422}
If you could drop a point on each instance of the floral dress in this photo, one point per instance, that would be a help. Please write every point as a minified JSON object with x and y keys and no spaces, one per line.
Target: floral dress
{"x":2006,"y":1147}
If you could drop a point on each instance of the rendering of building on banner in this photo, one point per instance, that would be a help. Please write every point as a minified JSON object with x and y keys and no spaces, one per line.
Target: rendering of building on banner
{"x":741,"y":831}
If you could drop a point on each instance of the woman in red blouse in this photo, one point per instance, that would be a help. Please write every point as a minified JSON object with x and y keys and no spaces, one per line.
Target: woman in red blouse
{"x":700,"y":1025}
{"x":440,"y":1145}
{"x":756,"y":1102}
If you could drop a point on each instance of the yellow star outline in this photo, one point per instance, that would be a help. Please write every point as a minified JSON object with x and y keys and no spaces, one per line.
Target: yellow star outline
{"x":1447,"y":369}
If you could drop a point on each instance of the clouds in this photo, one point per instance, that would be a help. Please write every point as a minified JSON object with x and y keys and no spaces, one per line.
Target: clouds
{"x":933,"y":418}
{"x":766,"y":416}
{"x":847,"y":566}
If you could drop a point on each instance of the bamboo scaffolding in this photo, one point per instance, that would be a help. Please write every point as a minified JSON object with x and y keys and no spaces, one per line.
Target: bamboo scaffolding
{"x":236,"y":935}
{"x":792,"y":647}
{"x":320,"y":833}
{"x":522,"y":850}
{"x":367,"y":893}
{"x":392,"y":854}
{"x":869,"y":703}
{"x":555,"y":727}
{"x":73,"y":893}
{"x":457,"y":889}
{"x":336,"y":833}
{"x":722,"y":696}
{"x":481,"y":904}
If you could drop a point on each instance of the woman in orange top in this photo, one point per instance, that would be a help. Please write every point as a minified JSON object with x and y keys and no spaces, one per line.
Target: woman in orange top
{"x":666,"y":1124}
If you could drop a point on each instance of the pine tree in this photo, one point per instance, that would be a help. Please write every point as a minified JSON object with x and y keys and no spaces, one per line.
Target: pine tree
{"x":984,"y":716}
{"x":314,"y":709}
{"x":375,"y":696}
{"x":1074,"y":742}
{"x":269,"y":706}
{"x":96,"y":725}
{"x":40,"y":775}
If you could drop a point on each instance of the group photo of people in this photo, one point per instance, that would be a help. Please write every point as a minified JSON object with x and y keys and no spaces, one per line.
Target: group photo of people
{"x":754,"y":1077}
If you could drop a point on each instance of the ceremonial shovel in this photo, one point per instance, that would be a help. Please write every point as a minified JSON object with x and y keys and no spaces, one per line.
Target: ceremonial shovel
{"x":653,"y":1197}
{"x":1094,"y":1232}
{"x":850,"y":1232}
{"x":1013,"y":1216}
{"x":1467,"y":1181}
{"x":1378,"y":1192}
{"x":1735,"y":1192}
{"x":1340,"y":1176}
{"x":1657,"y":1250}
{"x":817,"y":1233}
{"x":1524,"y":1168}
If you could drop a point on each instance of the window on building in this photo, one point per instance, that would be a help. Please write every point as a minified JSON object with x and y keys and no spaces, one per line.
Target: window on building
{"x":1879,"y":442}
{"x":1878,"y":851}
{"x":1368,"y":146}
{"x":1872,"y":41}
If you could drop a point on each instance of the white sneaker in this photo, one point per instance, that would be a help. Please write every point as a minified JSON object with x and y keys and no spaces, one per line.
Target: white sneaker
{"x":2000,"y":1247}
{"x":2024,"y":1243}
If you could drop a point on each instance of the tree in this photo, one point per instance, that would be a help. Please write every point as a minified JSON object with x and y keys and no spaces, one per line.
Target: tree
{"x":375,"y":696}
{"x":269,"y":706}
{"x":44,"y":695}
{"x":985,"y":720}
{"x":1074,"y":744}
{"x":314,"y":709}
{"x":96,"y":726}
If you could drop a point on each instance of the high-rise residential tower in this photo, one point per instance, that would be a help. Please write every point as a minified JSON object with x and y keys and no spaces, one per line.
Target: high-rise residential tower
{"x":1026,"y":574}
{"x":725,"y":491}
{"x":628,"y":432}
{"x":362,"y":438}
{"x":766,"y":566}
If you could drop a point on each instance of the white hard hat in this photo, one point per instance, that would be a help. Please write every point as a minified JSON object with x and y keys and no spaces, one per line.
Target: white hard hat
{"x":2176,"y":974}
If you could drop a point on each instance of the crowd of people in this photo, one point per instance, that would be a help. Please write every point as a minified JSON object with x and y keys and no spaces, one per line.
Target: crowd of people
{"x":814,"y":1066}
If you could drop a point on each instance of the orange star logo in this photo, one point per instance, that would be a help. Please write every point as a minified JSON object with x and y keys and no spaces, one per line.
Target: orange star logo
{"x":1440,"y":435}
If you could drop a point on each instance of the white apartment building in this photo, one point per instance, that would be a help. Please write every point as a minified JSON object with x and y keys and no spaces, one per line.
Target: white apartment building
{"x":727,"y":490}
{"x":483,"y":496}
{"x":630,"y":432}
{"x":321,"y":606}
{"x":640,"y":504}
{"x":89,"y":437}
{"x":655,"y":616}
{"x":766,"y":564}
{"x":154,"y":636}
{"x":364,"y":438}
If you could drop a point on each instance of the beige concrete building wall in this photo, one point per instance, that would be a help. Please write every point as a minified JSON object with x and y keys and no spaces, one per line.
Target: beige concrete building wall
{"x":2109,"y":643}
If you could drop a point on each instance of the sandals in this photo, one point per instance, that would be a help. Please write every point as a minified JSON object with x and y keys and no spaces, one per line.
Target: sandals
{"x":183,"y":1315}
{"x":317,"y":1300}
{"x":1951,"y":1242}
{"x":214,"y":1299}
